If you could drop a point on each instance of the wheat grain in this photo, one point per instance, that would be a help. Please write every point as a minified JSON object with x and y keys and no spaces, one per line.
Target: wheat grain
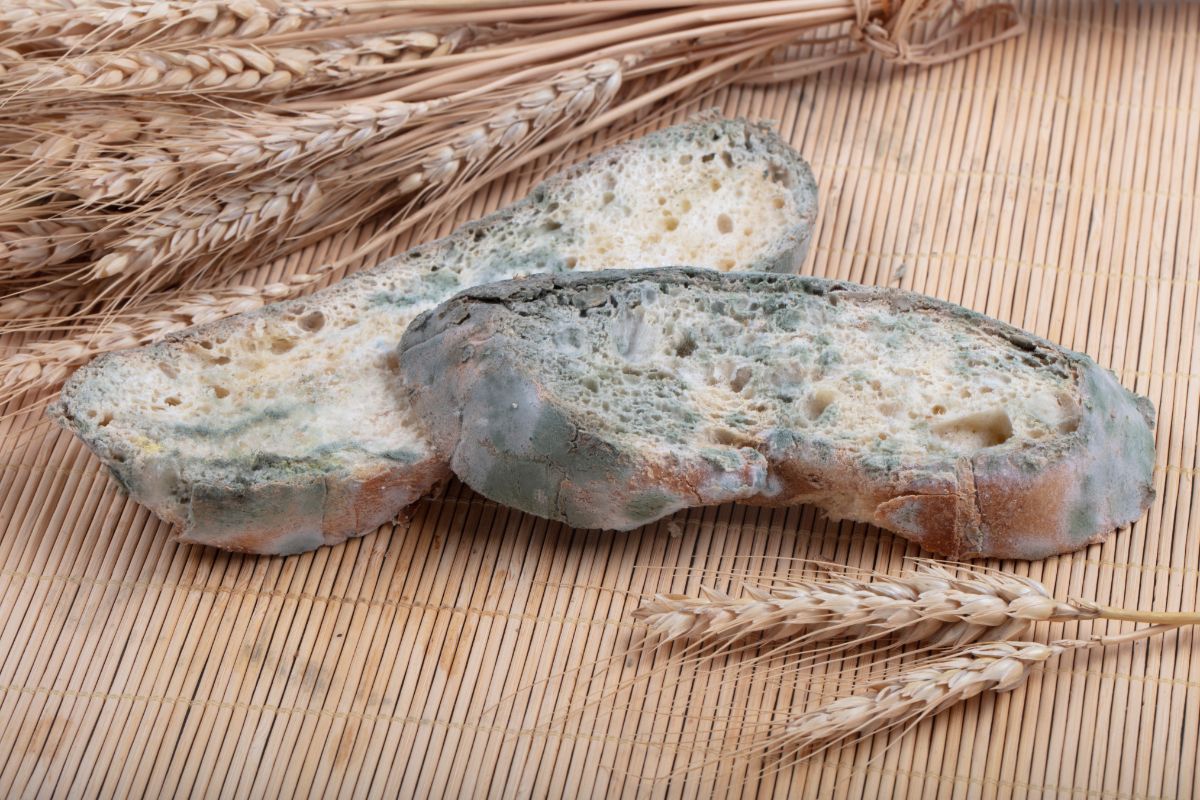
{"x":931,"y":604}
{"x":47,"y":242}
{"x":570,"y":96}
{"x":37,"y":303}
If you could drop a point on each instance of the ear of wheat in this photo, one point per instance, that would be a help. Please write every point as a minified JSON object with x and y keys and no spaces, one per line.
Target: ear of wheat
{"x":932,"y":604}
{"x":55,"y":26}
{"x":924,"y":690}
{"x":227,"y":69}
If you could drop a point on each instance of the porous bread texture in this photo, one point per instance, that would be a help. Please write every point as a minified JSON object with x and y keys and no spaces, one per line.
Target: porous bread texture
{"x":611,"y":399}
{"x":281,"y":430}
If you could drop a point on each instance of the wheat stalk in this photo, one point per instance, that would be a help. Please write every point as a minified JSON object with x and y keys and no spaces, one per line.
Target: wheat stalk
{"x":931,"y":604}
{"x":927,"y":689}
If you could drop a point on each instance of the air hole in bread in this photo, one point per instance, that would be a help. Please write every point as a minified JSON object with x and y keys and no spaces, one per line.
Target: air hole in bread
{"x":685,"y":159}
{"x":981,"y":429}
{"x":724,"y":223}
{"x":730,"y":438}
{"x":707,"y":157}
{"x":591,"y":384}
{"x":105,"y":419}
{"x":820,"y":399}
{"x":781,"y":176}
{"x":938,"y":410}
{"x":607,"y":198}
{"x":220,"y":392}
{"x":686,"y":346}
{"x":727,"y":159}
{"x":670,"y":223}
{"x":167,"y":369}
{"x":313,"y":321}
{"x":281,"y":344}
{"x":740,"y":379}
{"x":172,"y":401}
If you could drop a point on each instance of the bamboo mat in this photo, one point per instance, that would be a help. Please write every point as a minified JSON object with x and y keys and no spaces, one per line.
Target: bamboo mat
{"x":1053,"y":182}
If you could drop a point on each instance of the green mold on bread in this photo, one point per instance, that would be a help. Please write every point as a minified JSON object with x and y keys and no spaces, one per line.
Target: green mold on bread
{"x":611,"y":399}
{"x":281,"y":430}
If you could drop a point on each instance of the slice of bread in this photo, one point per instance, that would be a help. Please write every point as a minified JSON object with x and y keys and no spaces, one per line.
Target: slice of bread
{"x":611,"y":399}
{"x":283,"y":429}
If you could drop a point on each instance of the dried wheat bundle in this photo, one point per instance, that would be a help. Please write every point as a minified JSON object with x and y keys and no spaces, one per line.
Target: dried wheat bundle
{"x":159,"y":145}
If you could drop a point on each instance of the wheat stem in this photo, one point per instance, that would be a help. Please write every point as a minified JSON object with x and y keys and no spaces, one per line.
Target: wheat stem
{"x":1097,"y":611}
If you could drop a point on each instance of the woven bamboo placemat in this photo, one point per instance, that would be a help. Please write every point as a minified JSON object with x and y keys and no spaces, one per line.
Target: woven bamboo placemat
{"x":1052,"y":182}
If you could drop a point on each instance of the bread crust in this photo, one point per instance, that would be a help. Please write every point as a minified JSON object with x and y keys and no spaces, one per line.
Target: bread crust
{"x":497,"y":423}
{"x":305,"y":503}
